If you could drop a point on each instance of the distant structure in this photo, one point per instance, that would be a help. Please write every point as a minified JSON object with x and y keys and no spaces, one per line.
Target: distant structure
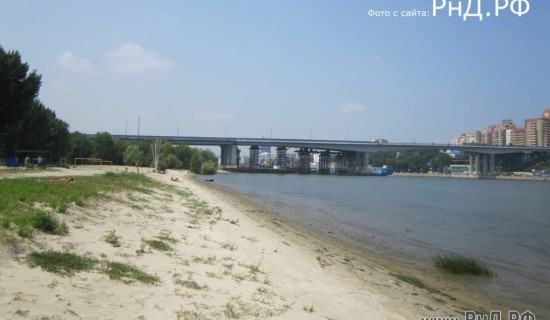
{"x":535,"y":134}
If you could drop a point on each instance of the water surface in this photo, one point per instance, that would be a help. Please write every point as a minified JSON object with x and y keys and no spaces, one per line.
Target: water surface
{"x":505,"y":224}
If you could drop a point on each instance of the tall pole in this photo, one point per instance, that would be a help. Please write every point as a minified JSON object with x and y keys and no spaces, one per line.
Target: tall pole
{"x":137,"y":162}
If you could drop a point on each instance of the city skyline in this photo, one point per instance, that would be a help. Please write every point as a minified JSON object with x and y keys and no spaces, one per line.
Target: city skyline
{"x":535,"y":133}
{"x":282,"y":70}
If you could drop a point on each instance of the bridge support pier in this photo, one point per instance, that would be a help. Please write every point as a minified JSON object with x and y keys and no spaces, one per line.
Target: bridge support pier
{"x":482,"y":164}
{"x":254,"y":161}
{"x":350,"y":162}
{"x":304,"y":160}
{"x":366,"y":162}
{"x":324,"y":162}
{"x":492,"y":169}
{"x":280,"y":161}
{"x":228,"y":155}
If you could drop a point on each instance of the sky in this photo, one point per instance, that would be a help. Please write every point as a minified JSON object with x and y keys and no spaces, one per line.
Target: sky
{"x":285,"y":68}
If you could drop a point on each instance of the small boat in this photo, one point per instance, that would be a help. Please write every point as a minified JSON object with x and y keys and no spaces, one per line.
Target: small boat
{"x":209,"y":180}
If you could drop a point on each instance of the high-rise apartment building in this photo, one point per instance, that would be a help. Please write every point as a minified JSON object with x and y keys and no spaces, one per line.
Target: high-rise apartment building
{"x":538,"y":131}
{"x":535,"y":134}
{"x":518,"y":137}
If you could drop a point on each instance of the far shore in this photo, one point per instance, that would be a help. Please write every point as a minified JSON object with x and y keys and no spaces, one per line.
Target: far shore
{"x":247,"y":261}
{"x":473,"y":176}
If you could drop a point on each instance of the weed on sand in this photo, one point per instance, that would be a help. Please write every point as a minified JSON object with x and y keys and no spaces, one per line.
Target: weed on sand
{"x":63,"y":263}
{"x":67,"y":264}
{"x":158,"y":245}
{"x":127,"y":273}
{"x":112,"y":239}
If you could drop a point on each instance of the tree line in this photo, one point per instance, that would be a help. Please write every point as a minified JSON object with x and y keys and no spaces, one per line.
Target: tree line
{"x":27,"y":126}
{"x":26,"y":123}
{"x":412,"y":161}
{"x":105,"y":147}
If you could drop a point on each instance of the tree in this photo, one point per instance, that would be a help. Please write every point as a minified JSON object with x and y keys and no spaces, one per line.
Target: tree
{"x":104,"y":146}
{"x":209,"y":167}
{"x":80,"y":147}
{"x":144,"y":158}
{"x":184,"y":153}
{"x":18,"y":90}
{"x":195,"y":163}
{"x":58,"y":135}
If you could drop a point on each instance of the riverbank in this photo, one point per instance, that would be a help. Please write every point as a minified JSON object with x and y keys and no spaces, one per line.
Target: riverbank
{"x":472,"y":176}
{"x":240,"y":262}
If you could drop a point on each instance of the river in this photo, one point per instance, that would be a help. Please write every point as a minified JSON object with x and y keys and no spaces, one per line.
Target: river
{"x":505,"y":224}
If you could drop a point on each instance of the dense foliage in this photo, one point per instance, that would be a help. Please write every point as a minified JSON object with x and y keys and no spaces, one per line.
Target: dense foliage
{"x":26,"y":124}
{"x":412,"y":161}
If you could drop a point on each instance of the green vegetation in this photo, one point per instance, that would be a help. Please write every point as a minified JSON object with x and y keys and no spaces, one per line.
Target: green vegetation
{"x":189,"y":315}
{"x":253,"y":268}
{"x":190,"y":284}
{"x":410,"y":280}
{"x":229,"y":246}
{"x":66,"y":264}
{"x":25,"y":122}
{"x":231,"y":311}
{"x":158,"y":245}
{"x":127,"y":273}
{"x":62,"y":263}
{"x":28,"y":205}
{"x":112,"y":238}
{"x":208,"y":168}
{"x":460,"y":265}
{"x":309,"y":309}
{"x":165,"y":236}
{"x":412,"y":161}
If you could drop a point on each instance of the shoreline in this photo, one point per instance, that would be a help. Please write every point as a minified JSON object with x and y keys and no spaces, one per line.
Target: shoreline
{"x":301,"y":270}
{"x":455,"y":289}
{"x":465,"y":176}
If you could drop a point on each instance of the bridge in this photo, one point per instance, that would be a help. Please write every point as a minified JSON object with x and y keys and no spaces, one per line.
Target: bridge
{"x":351,"y":156}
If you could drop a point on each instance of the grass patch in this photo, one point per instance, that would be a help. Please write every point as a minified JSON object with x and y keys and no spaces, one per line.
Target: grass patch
{"x":63,"y":263}
{"x":165,"y":236}
{"x":229,"y":246}
{"x":253,"y":268}
{"x":231,"y":311}
{"x":112,"y":239}
{"x":209,"y":260}
{"x":20,"y":196}
{"x":67,"y":264}
{"x":127,"y":273}
{"x":461,"y":265}
{"x":309,"y":309}
{"x":191,"y":284}
{"x":190,"y":315}
{"x":410,"y":280}
{"x":158,"y":245}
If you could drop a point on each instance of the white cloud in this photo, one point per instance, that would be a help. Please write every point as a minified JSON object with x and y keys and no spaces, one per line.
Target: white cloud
{"x":131,"y":58}
{"x":352,"y":107}
{"x":73,"y":63}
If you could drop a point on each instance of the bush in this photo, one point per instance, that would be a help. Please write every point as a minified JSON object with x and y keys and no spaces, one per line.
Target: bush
{"x":209,"y":167}
{"x":460,"y":265}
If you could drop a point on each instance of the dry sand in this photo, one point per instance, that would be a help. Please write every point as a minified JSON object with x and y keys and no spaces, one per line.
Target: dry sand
{"x":239,"y":263}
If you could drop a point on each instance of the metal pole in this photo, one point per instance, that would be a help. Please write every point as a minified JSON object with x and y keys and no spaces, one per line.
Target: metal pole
{"x":137,"y":161}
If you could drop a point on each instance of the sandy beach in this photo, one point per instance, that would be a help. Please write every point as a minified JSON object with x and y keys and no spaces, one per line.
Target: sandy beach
{"x":240,"y":262}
